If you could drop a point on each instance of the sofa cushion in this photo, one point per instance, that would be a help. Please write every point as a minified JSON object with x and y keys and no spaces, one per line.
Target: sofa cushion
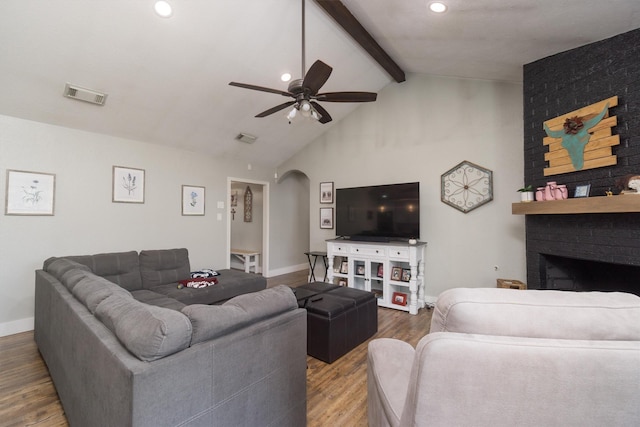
{"x":231,"y":283}
{"x":59,"y":267}
{"x":153,"y":298}
{"x":121,"y":268}
{"x":91,"y":290}
{"x":211,"y":321}
{"x":147,"y":331}
{"x":161,"y":267}
{"x":538,"y":313}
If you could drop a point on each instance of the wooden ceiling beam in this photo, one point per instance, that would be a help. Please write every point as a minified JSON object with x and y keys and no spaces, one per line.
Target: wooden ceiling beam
{"x":351,"y":25}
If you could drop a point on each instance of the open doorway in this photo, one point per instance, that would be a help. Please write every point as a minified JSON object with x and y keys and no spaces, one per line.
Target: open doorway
{"x":248,"y":225}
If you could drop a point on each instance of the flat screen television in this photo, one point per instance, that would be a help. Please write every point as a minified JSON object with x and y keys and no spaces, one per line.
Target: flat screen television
{"x":379,"y":213}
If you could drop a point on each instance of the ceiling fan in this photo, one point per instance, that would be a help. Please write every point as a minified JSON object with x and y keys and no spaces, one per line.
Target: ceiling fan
{"x":304,"y":91}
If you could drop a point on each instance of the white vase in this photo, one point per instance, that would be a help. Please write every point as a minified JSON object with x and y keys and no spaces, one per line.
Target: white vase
{"x":526,"y":196}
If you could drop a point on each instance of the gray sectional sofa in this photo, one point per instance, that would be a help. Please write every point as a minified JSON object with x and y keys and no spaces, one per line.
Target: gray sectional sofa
{"x":126,"y":347}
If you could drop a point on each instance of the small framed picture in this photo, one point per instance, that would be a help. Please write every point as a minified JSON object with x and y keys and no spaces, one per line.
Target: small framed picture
{"x":406,"y":274}
{"x":128,"y":185}
{"x":326,"y":192}
{"x":360,"y":270}
{"x":30,"y":193}
{"x":396,"y":273}
{"x":192,"y":200}
{"x":337,"y":264}
{"x":582,"y":190}
{"x":342,"y":282}
{"x":399,"y":298}
{"x":380,"y":270}
{"x":344,"y":267}
{"x":326,"y":218}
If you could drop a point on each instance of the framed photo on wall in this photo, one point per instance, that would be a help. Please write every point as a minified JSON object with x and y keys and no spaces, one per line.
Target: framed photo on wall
{"x":326,"y":217}
{"x":326,"y":192}
{"x":30,"y":193}
{"x":192,"y":200}
{"x":128,"y":185}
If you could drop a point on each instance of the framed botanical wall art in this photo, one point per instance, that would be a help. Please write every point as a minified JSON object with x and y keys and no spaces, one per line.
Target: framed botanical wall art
{"x":326,"y":192}
{"x":128,"y":185}
{"x":192,"y":200}
{"x":30,"y":193}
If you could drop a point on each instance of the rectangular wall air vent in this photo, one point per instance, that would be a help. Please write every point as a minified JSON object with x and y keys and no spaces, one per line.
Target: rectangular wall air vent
{"x":245,"y":137}
{"x":83,"y":94}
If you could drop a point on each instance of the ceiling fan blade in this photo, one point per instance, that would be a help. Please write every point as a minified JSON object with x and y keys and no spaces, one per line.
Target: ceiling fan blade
{"x":276,"y":109}
{"x":262,"y":89}
{"x":324,"y":114}
{"x":347,"y":96}
{"x":316,"y":77}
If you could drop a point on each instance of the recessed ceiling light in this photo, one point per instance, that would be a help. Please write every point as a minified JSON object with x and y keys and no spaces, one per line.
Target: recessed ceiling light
{"x":163,"y":8}
{"x":437,"y":7}
{"x":285,"y":77}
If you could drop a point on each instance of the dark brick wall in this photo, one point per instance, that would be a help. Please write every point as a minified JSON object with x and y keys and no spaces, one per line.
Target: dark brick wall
{"x":554,"y":86}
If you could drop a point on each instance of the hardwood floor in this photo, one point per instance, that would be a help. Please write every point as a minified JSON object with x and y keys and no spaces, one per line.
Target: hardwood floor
{"x":336,"y":393}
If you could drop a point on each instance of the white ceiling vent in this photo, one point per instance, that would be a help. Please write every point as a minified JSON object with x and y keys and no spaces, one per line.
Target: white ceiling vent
{"x":245,"y":137}
{"x":83,"y":94}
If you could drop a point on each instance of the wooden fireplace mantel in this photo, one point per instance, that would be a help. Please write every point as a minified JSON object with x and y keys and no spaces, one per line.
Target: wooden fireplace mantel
{"x":624,"y":203}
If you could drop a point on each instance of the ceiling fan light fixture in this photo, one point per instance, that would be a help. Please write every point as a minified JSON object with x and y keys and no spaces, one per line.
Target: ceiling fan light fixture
{"x":437,"y":7}
{"x":292,"y":114}
{"x":285,"y":77}
{"x":305,"y":108}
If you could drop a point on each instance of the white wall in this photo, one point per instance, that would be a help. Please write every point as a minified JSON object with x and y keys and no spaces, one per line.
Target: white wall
{"x":87,"y":222}
{"x":290,"y":222}
{"x":416,"y":131}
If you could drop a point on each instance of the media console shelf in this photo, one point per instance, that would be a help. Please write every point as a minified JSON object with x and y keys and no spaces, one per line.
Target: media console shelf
{"x":369,"y":266}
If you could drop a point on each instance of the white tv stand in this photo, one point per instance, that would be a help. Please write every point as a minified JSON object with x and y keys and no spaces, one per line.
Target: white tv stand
{"x":369,"y":266}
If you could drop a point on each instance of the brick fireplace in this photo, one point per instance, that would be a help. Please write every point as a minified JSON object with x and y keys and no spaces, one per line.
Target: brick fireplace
{"x":584,"y":251}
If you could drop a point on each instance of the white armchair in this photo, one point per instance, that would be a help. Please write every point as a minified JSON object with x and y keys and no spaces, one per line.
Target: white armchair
{"x":501,"y":357}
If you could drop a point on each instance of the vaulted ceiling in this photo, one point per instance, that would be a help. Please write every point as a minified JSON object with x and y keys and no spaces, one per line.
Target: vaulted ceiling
{"x":167,"y":78}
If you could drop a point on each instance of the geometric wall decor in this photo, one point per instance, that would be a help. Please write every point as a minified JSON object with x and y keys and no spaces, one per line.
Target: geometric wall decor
{"x":466,"y":186}
{"x":581,"y":139}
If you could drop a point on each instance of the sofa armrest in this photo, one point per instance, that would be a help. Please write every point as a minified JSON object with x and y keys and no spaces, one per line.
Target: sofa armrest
{"x":538,"y":313}
{"x":463,"y":379}
{"x":388,"y":372}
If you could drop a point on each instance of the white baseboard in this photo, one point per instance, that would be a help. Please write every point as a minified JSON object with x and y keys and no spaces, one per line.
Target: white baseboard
{"x":16,"y":326}
{"x":287,"y":270}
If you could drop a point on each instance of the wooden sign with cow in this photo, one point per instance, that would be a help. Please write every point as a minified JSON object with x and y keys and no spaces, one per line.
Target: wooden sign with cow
{"x":581,"y":139}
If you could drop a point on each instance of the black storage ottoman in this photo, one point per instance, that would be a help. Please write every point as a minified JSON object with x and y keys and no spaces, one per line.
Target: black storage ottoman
{"x":366,"y":306}
{"x":329,"y":332}
{"x":303,"y":295}
{"x":338,"y":319}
